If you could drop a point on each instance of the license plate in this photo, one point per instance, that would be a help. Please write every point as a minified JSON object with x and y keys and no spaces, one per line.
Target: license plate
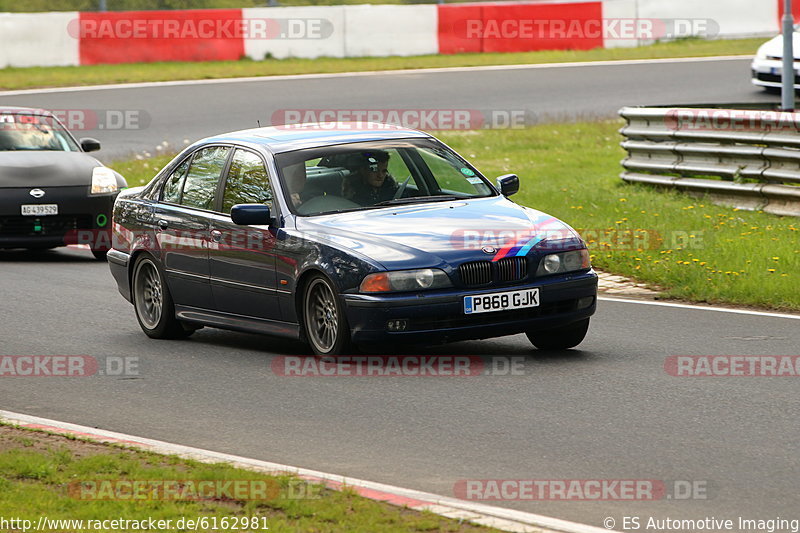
{"x":501,"y":301}
{"x":39,"y":210}
{"x":777,"y":71}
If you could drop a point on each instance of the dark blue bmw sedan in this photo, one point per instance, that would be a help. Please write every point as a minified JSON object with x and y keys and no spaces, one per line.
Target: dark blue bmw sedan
{"x":337,"y":234}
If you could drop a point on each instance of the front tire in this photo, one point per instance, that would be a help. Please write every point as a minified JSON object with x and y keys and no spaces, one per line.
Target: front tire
{"x":560,"y":338}
{"x":153,"y":302}
{"x":324,"y":321}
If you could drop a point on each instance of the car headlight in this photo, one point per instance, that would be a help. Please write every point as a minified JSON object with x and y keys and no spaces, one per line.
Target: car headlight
{"x":564,"y":262}
{"x":103,"y":180}
{"x":405,"y":280}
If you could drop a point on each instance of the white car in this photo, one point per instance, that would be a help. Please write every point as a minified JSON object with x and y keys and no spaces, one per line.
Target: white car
{"x":768,"y":63}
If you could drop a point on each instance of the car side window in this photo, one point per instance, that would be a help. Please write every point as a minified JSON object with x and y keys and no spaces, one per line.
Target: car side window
{"x":174,"y":184}
{"x":200,"y":187}
{"x":247,"y":182}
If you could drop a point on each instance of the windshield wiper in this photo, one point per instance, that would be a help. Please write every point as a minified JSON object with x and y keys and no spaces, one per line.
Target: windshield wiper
{"x":417,"y":199}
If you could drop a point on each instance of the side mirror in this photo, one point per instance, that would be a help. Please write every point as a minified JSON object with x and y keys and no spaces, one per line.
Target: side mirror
{"x":251,"y":215}
{"x":90,"y":145}
{"x":508,"y":184}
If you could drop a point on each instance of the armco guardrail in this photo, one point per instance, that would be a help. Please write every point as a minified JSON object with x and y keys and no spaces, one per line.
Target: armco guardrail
{"x":754,"y":155}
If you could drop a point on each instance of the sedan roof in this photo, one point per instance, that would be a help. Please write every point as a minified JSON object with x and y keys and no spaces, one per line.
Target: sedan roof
{"x":279,"y":139}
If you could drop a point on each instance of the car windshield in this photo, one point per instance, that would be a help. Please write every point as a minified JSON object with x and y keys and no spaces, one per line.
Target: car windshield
{"x":20,"y":131}
{"x":374,"y":175}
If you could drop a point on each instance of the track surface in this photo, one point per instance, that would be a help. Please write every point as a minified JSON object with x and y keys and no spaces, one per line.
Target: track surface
{"x":175,"y":113}
{"x":606,"y":411}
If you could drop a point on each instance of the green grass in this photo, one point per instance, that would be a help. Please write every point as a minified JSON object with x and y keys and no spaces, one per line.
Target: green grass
{"x":141,"y":168}
{"x":26,"y":78}
{"x":691,"y":248}
{"x":44,"y":479}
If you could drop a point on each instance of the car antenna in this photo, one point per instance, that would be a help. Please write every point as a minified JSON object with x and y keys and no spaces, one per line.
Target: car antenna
{"x":258,"y":122}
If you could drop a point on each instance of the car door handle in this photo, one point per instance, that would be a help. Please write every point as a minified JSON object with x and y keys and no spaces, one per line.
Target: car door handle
{"x":216,"y":235}
{"x":163,"y":224}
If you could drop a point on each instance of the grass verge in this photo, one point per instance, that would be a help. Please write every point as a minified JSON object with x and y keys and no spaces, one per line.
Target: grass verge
{"x":63,"y":478}
{"x":691,"y":248}
{"x":25,"y":78}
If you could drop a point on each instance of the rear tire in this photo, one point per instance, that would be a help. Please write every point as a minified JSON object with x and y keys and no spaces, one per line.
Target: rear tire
{"x":324,"y":322}
{"x":153,"y":302}
{"x":560,"y":338}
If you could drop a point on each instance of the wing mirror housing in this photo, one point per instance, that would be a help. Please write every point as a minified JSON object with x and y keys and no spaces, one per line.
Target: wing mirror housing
{"x":251,"y":215}
{"x":508,"y":184}
{"x":90,"y":145}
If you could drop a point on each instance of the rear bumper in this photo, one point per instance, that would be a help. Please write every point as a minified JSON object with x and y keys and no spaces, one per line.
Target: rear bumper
{"x":440,"y":317}
{"x":118,"y":263}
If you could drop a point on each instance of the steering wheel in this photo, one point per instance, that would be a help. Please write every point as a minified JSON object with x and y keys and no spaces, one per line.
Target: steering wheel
{"x":401,"y":189}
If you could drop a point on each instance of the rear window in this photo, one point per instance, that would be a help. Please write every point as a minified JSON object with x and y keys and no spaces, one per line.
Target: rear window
{"x":27,"y":132}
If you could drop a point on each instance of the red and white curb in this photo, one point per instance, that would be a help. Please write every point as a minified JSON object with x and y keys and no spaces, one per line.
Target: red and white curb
{"x":476,"y":513}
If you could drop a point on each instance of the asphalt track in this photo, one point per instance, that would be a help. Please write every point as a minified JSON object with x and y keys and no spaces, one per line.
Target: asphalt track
{"x":606,"y":411}
{"x":174,"y":113}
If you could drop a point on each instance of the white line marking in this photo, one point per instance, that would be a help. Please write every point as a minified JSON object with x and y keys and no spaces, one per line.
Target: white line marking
{"x":574,"y":64}
{"x":702,"y":308}
{"x":512,"y":520}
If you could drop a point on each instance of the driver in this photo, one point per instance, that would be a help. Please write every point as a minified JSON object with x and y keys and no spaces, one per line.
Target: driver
{"x":370,"y":182}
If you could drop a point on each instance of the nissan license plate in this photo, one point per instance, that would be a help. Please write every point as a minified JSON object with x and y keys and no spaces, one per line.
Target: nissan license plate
{"x":39,"y":210}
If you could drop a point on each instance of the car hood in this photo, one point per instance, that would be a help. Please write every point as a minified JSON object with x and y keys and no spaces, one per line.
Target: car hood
{"x":774,"y":47}
{"x":444,"y":233}
{"x":46,"y":169}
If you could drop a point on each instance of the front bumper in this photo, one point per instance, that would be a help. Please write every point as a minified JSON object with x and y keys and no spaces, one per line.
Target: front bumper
{"x":439,"y":316}
{"x":768,"y":73}
{"x":81,"y":218}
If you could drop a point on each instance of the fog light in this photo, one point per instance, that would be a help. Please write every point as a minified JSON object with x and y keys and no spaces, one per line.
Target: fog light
{"x":397,"y":325}
{"x":585,"y":302}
